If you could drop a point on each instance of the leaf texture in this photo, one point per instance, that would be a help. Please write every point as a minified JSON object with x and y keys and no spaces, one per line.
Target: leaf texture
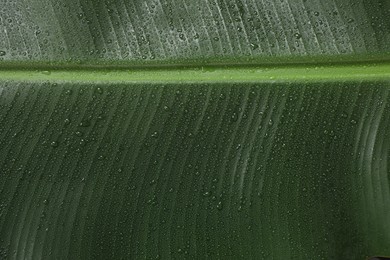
{"x":221,"y":170}
{"x":188,"y":32}
{"x":207,"y":129}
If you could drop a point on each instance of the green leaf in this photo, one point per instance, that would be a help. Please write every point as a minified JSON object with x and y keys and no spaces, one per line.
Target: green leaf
{"x":207,"y":129}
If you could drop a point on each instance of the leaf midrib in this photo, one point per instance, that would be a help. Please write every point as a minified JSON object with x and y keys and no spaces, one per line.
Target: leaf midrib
{"x":296,"y":72}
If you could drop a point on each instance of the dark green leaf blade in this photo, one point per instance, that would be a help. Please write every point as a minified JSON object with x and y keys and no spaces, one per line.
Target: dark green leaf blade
{"x":282,"y":170}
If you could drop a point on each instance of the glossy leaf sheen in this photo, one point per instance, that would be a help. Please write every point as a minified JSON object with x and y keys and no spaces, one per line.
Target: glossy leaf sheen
{"x":119,"y":140}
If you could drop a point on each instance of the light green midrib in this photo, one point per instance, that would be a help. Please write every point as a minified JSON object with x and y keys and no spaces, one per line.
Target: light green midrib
{"x":340,"y":72}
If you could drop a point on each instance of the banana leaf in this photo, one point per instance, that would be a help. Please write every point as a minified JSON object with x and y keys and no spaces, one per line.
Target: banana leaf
{"x":194,"y":129}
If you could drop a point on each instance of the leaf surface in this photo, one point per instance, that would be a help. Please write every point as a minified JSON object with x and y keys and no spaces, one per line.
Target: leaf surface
{"x":205,"y":129}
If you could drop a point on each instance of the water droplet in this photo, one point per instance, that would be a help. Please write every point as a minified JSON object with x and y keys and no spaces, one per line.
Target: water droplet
{"x":234,"y":117}
{"x":254,"y":46}
{"x":67,"y":121}
{"x":316,"y":13}
{"x":297,"y":35}
{"x":85,"y":123}
{"x":79,"y":133}
{"x":46,"y":72}
{"x":219,"y":205}
{"x":155,"y":134}
{"x":54,"y":144}
{"x":2,"y":53}
{"x":99,"y":90}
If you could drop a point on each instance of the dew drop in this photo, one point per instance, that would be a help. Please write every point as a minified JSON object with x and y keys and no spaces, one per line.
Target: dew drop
{"x":234,"y":117}
{"x":85,"y":123}
{"x":254,"y":46}
{"x":79,"y":133}
{"x":297,"y":35}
